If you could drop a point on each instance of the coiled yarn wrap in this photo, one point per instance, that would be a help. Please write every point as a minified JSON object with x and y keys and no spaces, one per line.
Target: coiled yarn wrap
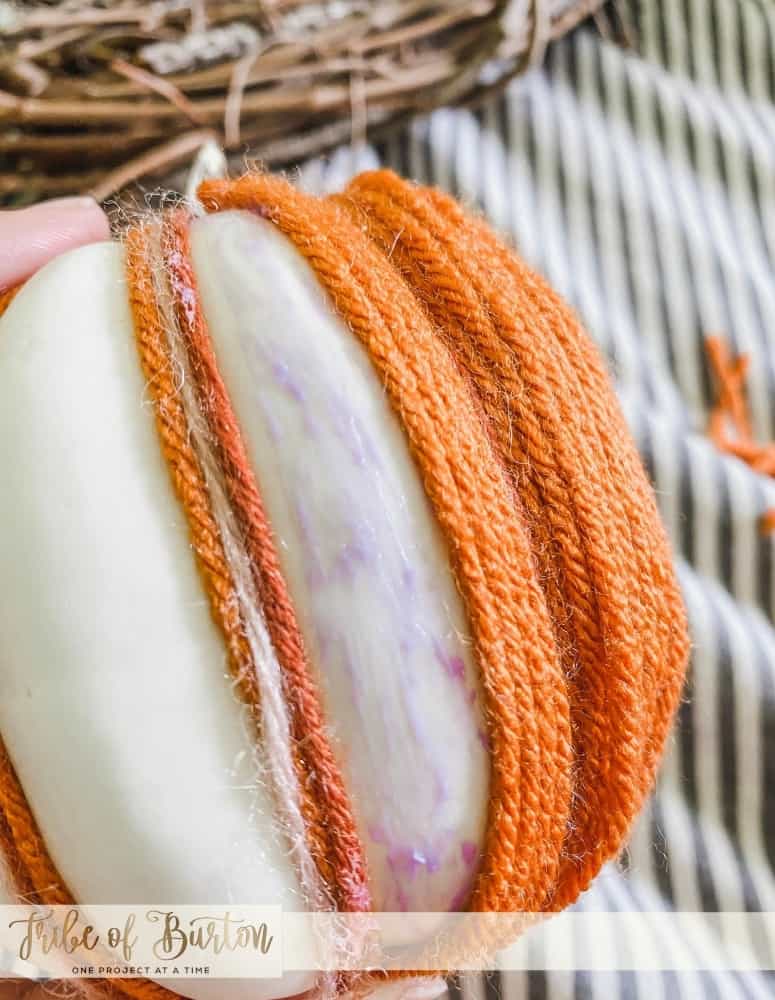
{"x":551,"y":527}
{"x":551,"y":523}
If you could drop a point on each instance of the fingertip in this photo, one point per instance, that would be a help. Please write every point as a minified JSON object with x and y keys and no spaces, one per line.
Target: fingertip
{"x":87,"y":215}
{"x":30,"y":237}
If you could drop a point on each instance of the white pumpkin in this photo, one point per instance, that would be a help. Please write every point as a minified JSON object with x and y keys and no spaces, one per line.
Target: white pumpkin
{"x":116,"y":707}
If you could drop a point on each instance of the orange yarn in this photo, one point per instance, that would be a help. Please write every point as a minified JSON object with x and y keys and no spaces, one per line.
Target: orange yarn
{"x":7,"y":296}
{"x":185,"y":471}
{"x":584,"y":499}
{"x":538,"y":487}
{"x":731,"y":408}
{"x":525,"y":691}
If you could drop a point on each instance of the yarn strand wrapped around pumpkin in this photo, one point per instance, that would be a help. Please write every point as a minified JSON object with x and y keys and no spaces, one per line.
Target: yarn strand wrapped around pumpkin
{"x":598,"y":650}
{"x":555,"y":545}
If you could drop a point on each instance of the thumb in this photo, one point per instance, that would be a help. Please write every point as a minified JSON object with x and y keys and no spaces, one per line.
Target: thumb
{"x":29,"y":237}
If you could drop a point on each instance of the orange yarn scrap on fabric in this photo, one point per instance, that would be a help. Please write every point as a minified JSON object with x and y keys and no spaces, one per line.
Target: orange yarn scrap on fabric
{"x":731,"y":411}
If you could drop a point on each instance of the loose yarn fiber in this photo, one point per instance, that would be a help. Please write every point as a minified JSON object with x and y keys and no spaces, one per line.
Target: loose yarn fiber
{"x":551,"y":527}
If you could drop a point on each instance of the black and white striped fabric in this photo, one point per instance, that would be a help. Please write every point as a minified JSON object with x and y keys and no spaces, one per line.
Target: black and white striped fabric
{"x":641,"y":182}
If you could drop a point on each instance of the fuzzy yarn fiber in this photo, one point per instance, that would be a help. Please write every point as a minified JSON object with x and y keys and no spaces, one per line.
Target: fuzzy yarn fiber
{"x":551,"y":526}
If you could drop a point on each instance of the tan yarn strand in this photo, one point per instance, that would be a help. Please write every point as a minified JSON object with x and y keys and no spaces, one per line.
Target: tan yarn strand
{"x":330,"y":825}
{"x":185,"y":471}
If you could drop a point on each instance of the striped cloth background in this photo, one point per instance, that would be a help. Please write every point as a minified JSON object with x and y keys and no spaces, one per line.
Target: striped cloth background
{"x":641,"y":182}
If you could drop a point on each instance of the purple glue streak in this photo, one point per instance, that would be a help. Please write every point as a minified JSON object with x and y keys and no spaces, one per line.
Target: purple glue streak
{"x":378,"y":834}
{"x":453,"y":665}
{"x":353,"y":554}
{"x":406,"y":861}
{"x":284,"y":378}
{"x":469,"y":852}
{"x":351,"y":433}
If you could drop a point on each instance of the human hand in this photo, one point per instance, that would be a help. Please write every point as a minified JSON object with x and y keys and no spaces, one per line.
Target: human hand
{"x":29,"y":237}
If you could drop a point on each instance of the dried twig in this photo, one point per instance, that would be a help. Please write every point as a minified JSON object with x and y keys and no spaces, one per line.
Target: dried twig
{"x":166,"y":156}
{"x":84,"y":85}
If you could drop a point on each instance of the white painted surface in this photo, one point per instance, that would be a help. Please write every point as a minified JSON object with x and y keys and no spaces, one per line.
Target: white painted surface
{"x":115,"y":702}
